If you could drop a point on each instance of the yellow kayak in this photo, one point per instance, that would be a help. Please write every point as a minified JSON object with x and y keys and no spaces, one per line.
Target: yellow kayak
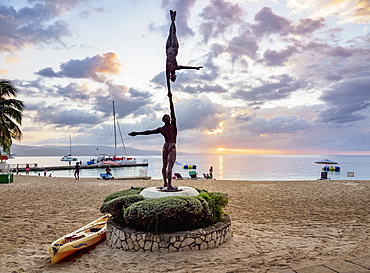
{"x":79,"y":239}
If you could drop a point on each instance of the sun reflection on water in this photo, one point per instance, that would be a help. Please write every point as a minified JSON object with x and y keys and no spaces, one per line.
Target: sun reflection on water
{"x":220,"y":168}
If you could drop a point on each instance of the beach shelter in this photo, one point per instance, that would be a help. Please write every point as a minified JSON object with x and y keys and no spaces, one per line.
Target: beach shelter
{"x":328,"y":162}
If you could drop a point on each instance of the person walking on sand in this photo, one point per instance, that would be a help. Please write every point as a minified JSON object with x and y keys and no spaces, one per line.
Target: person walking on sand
{"x":169,"y":132}
{"x":172,"y":49}
{"x":77,"y":171}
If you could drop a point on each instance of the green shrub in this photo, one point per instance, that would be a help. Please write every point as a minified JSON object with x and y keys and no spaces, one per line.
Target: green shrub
{"x":216,"y":201}
{"x":200,"y":190}
{"x":115,"y":206}
{"x":127,"y":192}
{"x":168,"y":214}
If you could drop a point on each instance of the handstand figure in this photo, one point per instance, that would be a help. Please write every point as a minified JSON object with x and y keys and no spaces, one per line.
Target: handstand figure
{"x":169,"y":132}
{"x":172,"y":49}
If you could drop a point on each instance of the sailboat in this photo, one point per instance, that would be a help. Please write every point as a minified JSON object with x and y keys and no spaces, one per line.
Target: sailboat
{"x":106,"y":159}
{"x":69,"y":157}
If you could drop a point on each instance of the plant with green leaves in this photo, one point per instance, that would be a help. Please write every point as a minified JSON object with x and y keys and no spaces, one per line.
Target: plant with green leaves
{"x":168,"y":214}
{"x":10,"y":115}
{"x":216,"y":202}
{"x":116,"y":206}
{"x":127,"y":192}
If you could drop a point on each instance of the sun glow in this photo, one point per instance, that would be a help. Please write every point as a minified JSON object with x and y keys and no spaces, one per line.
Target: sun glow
{"x":227,"y":151}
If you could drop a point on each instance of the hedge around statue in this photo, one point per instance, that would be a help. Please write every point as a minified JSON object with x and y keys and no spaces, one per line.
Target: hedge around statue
{"x":166,"y":214}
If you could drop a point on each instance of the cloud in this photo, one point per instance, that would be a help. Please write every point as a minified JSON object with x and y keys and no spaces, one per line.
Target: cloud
{"x":276,"y":125}
{"x":348,"y":101}
{"x":219,"y":15}
{"x":182,"y":9}
{"x":95,"y":68}
{"x":242,"y":118}
{"x":73,"y":91}
{"x":269,"y":23}
{"x":89,"y":12}
{"x":60,"y":7}
{"x":307,"y":26}
{"x":243,"y":44}
{"x":319,"y":61}
{"x":60,"y":117}
{"x":344,"y":114}
{"x":203,"y":89}
{"x":348,"y":10}
{"x":279,"y":87}
{"x":278,"y":58}
{"x":127,"y":100}
{"x":30,"y":26}
{"x":197,"y":113}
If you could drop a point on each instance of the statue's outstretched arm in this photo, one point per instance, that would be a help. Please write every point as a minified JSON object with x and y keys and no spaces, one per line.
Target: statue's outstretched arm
{"x":189,"y":67}
{"x":147,"y":132}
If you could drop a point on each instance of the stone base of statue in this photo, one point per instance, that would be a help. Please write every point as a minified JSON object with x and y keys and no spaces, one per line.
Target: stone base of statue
{"x":129,"y":239}
{"x":158,"y":192}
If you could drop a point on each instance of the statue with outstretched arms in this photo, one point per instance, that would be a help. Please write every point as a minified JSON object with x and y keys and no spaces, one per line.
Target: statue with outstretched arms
{"x":169,"y":132}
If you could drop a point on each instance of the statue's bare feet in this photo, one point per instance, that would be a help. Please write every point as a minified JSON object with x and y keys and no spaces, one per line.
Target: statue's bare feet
{"x":173,"y":15}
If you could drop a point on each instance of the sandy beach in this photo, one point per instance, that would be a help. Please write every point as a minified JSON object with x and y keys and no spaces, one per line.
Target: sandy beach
{"x":276,"y":226}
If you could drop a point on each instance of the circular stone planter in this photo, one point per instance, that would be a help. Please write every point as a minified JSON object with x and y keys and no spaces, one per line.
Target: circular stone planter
{"x":130,"y":239}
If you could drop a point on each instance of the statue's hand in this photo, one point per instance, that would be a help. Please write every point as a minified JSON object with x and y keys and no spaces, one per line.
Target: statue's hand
{"x":199,"y":67}
{"x":132,"y":134}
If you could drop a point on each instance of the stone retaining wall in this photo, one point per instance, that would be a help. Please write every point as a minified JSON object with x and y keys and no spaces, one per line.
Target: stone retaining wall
{"x":132,"y":240}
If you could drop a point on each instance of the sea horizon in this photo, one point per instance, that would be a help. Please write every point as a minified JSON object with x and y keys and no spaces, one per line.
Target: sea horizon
{"x":226,"y":167}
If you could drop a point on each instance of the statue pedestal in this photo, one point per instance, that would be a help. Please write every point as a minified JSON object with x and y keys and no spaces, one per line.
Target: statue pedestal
{"x":154,"y":192}
{"x":129,"y":239}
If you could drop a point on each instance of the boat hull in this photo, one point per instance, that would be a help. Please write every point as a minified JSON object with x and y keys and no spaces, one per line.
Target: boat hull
{"x":82,"y":238}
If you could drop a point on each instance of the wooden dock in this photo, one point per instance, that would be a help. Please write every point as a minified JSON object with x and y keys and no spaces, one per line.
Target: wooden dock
{"x":130,"y":178}
{"x":35,"y":167}
{"x":352,"y":265}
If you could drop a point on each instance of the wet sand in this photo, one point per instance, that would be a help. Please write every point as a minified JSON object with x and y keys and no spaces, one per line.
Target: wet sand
{"x":276,"y":226}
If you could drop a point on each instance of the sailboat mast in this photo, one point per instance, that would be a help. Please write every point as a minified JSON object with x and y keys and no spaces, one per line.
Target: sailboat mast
{"x":115,"y":134}
{"x":70,"y":144}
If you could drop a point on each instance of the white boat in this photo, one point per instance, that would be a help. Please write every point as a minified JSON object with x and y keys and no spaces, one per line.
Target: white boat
{"x":69,"y":157}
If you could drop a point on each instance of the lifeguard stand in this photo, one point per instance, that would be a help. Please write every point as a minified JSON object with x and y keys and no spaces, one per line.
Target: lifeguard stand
{"x":5,"y":177}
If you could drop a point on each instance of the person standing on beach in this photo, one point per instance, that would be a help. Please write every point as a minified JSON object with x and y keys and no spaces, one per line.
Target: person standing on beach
{"x":169,"y":132}
{"x":77,"y":171}
{"x":172,"y":49}
{"x":27,"y":169}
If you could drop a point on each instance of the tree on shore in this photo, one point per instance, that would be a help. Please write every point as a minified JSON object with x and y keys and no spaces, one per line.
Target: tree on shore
{"x":10,"y":115}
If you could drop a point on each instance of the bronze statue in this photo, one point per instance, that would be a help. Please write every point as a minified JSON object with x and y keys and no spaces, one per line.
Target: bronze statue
{"x":169,"y":132}
{"x":172,"y":49}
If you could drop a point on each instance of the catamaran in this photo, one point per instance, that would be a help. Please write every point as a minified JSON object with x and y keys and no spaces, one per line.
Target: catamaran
{"x":107,"y":159}
{"x":69,"y":157}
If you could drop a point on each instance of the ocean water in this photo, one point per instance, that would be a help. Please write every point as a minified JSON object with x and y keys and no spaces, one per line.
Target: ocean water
{"x":256,"y":168}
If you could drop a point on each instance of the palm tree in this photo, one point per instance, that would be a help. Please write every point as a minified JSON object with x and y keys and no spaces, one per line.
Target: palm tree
{"x":10,"y":115}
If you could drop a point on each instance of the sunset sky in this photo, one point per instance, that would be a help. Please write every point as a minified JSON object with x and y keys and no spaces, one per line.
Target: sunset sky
{"x":279,"y":77}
